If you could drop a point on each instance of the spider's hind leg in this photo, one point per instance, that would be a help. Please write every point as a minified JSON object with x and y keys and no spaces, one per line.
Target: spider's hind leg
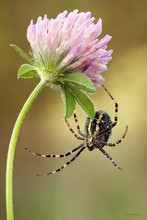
{"x":64,"y":165}
{"x":72,"y":131}
{"x":78,"y":126}
{"x":54,"y":155}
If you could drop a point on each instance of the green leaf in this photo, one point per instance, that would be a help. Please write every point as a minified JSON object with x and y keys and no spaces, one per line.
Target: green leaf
{"x":84,"y":101}
{"x":68,"y":100}
{"x":26,"y":71}
{"x":81,"y":81}
{"x":22,"y":53}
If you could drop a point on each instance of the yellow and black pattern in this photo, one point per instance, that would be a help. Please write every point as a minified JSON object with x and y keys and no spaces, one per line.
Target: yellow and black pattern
{"x":95,"y":136}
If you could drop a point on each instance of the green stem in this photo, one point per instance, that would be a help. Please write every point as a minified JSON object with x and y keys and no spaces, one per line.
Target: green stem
{"x":12,"y":146}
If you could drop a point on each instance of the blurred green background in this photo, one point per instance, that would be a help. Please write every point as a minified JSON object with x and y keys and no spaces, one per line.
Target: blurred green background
{"x":91,"y":188}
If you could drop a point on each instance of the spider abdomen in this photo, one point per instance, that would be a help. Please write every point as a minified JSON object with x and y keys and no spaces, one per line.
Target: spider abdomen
{"x":101,"y":128}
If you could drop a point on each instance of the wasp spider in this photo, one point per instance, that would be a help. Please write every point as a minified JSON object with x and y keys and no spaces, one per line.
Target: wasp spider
{"x":96,"y":135}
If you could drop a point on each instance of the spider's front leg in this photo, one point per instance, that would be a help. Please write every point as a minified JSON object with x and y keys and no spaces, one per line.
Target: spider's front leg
{"x":86,"y":129}
{"x":116,"y":106}
{"x":78,"y":128}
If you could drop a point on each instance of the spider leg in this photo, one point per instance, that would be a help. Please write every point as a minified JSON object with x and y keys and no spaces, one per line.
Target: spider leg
{"x":55,"y":155}
{"x":64,"y":165}
{"x":72,"y":131}
{"x":116,"y":106}
{"x":109,"y":157}
{"x":86,"y":129}
{"x":119,"y":141}
{"x":78,"y":127}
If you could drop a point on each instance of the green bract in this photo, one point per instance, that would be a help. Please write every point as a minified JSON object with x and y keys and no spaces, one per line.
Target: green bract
{"x":26,"y":71}
{"x":73,"y":84}
{"x":83,"y":101}
{"x":81,"y":81}
{"x":68,"y":101}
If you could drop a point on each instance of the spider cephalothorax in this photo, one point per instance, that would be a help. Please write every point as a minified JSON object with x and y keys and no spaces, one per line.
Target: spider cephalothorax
{"x":96,"y":135}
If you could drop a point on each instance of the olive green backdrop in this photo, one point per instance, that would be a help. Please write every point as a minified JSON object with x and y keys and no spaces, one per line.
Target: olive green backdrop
{"x":91,"y":188}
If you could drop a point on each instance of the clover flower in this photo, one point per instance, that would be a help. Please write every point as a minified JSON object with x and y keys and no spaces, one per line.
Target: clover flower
{"x":68,"y":44}
{"x":67,"y":53}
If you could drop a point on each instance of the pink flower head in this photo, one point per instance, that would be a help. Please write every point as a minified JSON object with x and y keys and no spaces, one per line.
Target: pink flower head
{"x":68,"y":44}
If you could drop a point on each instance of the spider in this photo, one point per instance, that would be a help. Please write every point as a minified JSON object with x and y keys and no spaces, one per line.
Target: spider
{"x":96,"y":135}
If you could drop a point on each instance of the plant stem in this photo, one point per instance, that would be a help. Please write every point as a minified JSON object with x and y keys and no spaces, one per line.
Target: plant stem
{"x":12,"y":146}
